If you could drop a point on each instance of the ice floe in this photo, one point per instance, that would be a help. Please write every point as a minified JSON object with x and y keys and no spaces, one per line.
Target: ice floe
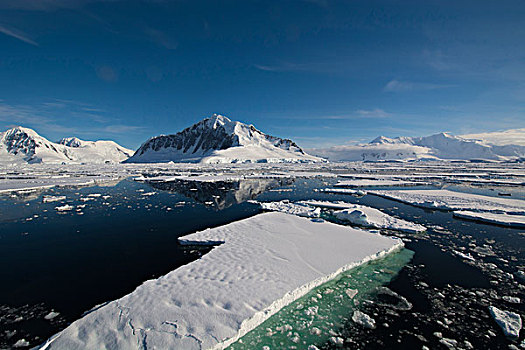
{"x":344,"y":191}
{"x":493,"y":218}
{"x":377,"y":182}
{"x":212,"y":301}
{"x":353,"y":213}
{"x":292,"y":208}
{"x":451,"y":200}
{"x":50,"y":199}
{"x":371,"y":217}
{"x":510,"y":322}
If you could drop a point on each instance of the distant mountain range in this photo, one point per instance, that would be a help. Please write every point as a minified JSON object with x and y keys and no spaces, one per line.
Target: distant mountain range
{"x":25,"y":145}
{"x":435,"y":147}
{"x":220,"y":140}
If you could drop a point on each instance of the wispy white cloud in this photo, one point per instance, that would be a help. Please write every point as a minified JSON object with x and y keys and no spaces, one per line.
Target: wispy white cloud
{"x":17,"y":34}
{"x":123,"y":129}
{"x":375,"y":113}
{"x":55,"y":118}
{"x":401,"y":86}
{"x":160,"y":38}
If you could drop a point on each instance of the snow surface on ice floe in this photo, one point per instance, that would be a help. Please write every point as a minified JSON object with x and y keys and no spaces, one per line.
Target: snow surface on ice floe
{"x":366,"y":216}
{"x":371,"y":217}
{"x":266,"y":262}
{"x":292,"y":208}
{"x":493,"y":218}
{"x":354,"y":213}
{"x":450,"y":200}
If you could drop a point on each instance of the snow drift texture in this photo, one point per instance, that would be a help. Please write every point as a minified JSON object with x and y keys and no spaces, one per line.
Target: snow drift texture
{"x":220,"y":140}
{"x":25,"y":145}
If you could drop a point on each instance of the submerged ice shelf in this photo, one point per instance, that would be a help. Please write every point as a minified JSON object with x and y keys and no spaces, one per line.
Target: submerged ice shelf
{"x":318,"y":317}
{"x":213,"y":301}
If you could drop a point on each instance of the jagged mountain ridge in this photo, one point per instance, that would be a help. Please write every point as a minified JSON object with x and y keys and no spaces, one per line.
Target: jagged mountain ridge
{"x":26,"y":145}
{"x":219,"y":140}
{"x":434,"y":147}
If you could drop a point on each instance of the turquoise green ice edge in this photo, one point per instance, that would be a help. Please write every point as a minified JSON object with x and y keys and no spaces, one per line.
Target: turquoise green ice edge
{"x":319,"y":315}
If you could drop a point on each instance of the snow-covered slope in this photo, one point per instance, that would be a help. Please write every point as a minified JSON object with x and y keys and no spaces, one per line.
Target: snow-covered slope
{"x":220,"y":140}
{"x":25,"y":145}
{"x":500,"y":138}
{"x":439,"y":146}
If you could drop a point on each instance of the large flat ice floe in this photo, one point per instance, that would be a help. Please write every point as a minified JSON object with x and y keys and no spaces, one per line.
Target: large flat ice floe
{"x":493,"y":218}
{"x":265,"y":262}
{"x":450,"y":200}
{"x":377,"y":182}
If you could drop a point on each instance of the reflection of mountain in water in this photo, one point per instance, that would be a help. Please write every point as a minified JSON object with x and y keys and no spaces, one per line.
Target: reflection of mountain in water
{"x":221,"y":194}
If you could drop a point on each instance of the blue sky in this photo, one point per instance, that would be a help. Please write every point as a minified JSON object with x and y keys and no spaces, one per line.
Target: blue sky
{"x":317,"y":71}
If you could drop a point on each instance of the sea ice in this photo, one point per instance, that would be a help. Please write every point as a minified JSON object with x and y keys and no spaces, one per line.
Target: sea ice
{"x":49,"y":199}
{"x":371,"y":217}
{"x":451,"y":200}
{"x":354,"y":213}
{"x":493,"y":218}
{"x":65,"y":207}
{"x":363,"y":319}
{"x":377,"y":182}
{"x":510,"y":322}
{"x":264,"y":263}
{"x":292,"y":208}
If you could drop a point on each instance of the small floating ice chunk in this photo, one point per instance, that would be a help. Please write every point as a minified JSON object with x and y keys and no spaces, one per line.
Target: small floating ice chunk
{"x":312,"y":311}
{"x":21,"y":343}
{"x":65,"y":207}
{"x":149,"y":193}
{"x":363,"y":319}
{"x":337,"y":340}
{"x":510,"y":322}
{"x":351,"y":293}
{"x":449,"y":343}
{"x":51,"y":315}
{"x":49,"y":199}
{"x":467,"y":256}
{"x":511,"y":299}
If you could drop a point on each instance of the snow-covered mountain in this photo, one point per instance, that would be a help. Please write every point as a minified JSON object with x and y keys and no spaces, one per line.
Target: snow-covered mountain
{"x":439,"y":146}
{"x":500,"y":138}
{"x":26,"y":145}
{"x":219,"y":140}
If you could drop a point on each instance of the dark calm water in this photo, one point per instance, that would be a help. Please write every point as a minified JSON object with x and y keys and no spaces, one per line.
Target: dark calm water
{"x":70,"y":262}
